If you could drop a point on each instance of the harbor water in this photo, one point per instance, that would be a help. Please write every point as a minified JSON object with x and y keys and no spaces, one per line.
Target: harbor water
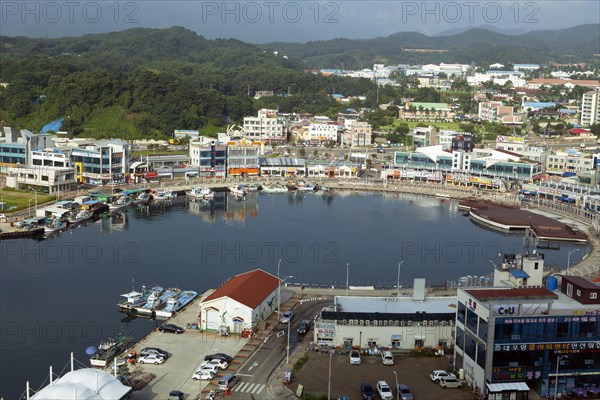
{"x":60,"y":295}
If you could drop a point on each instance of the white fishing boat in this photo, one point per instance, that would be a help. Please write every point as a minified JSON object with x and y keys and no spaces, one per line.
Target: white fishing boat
{"x":53,"y":225}
{"x":274,"y":189}
{"x":156,"y":301}
{"x":442,"y":195}
{"x":135,"y":299}
{"x":82,"y":215}
{"x":163,"y":194}
{"x":176,"y":303}
{"x":237,"y":191}
{"x":201,"y":193}
{"x":142,"y":198}
{"x":303,"y":187}
{"x":120,"y":203}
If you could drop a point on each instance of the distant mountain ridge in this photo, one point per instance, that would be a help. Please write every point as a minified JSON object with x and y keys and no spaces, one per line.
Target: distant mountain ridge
{"x":579,"y":43}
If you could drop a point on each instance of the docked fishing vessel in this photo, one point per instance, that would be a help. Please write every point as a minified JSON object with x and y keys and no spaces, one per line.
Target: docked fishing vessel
{"x":274,"y":189}
{"x":156,"y":301}
{"x":135,"y":299}
{"x":201,"y":193}
{"x":176,"y":303}
{"x":238,"y":191}
{"x":142,"y":198}
{"x":120,"y":203}
{"x":163,"y":194}
{"x":82,"y":215}
{"x":53,"y":225}
{"x":107,"y":351}
{"x":303,"y":187}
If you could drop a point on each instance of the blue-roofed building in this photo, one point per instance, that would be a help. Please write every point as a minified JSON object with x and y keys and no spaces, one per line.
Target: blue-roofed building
{"x":53,"y":126}
{"x":533,"y":106}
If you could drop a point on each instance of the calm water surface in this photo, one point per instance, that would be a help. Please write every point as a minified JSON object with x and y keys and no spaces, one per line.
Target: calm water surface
{"x":60,"y":295}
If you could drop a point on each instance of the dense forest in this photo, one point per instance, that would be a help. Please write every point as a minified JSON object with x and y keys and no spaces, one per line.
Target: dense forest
{"x":148,"y":82}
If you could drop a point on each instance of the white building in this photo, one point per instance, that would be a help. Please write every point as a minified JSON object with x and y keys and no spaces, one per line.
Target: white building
{"x":241,"y":302}
{"x":590,"y":108}
{"x":396,"y":322}
{"x":322,"y":132}
{"x":359,"y":134}
{"x":266,"y":127}
{"x":44,"y":179}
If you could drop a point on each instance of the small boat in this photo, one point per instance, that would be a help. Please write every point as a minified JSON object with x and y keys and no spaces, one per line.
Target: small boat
{"x":135,"y":299}
{"x":176,"y":303}
{"x":274,"y":189}
{"x":81,"y":216}
{"x":442,"y":195}
{"x":120,"y":203}
{"x":54,"y":225}
{"x":238,"y":191}
{"x":107,"y":351}
{"x":252,"y":187}
{"x":164,"y":195}
{"x":303,"y":187}
{"x":142,"y":198}
{"x":201,"y":193}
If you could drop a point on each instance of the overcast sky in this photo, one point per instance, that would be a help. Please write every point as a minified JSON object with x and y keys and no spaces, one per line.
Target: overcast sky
{"x":300,"y":20}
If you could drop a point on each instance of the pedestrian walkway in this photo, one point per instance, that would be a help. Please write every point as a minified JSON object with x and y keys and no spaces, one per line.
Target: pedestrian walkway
{"x":249,"y":387}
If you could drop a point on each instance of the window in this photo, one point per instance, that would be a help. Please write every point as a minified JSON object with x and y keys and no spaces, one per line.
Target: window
{"x":578,"y":293}
{"x":570,"y":289}
{"x":348,"y":342}
{"x":593,"y":295}
{"x":419,"y":343}
{"x":396,"y":341}
{"x":371,"y":342}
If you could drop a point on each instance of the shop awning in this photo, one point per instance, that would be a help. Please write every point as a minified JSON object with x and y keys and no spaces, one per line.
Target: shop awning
{"x":507,"y":387}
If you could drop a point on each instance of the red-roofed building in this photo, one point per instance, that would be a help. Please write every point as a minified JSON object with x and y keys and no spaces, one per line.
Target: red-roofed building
{"x":241,"y":302}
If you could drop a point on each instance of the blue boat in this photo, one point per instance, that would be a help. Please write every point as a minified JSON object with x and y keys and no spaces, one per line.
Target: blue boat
{"x":176,"y":303}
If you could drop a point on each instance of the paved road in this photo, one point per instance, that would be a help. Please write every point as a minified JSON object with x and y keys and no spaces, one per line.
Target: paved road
{"x":255,"y":372}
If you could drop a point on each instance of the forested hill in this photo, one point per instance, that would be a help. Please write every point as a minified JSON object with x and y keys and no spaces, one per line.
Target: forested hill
{"x":148,"y":82}
{"x":480,"y":46}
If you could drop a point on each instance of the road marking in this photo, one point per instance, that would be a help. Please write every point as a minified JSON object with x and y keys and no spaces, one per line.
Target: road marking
{"x":258,"y":389}
{"x":249,"y":387}
{"x":253,"y":365}
{"x":244,"y":375}
{"x":240,"y":387}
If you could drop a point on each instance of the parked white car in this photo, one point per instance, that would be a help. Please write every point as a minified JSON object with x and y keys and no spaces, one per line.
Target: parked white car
{"x":355,"y":357}
{"x":151,"y":359}
{"x":440,"y":373}
{"x":384,"y":391}
{"x":286,"y":317}
{"x":210,"y":367}
{"x":450,"y":382}
{"x":221,"y":364}
{"x":204,"y":374}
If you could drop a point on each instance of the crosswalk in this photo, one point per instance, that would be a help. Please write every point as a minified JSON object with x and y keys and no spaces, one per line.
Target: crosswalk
{"x":248,"y":387}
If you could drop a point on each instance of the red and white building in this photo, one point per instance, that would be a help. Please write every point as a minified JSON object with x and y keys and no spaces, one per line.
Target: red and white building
{"x":241,"y":302}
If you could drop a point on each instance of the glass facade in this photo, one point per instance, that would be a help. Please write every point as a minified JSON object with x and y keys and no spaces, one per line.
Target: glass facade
{"x":12,"y":153}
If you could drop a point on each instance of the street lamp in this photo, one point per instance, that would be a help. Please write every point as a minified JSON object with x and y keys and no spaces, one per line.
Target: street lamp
{"x":29,"y":207}
{"x":398,"y":281}
{"x":347,"y":276}
{"x":329,"y":379}
{"x":397,"y":388}
{"x":34,"y":191}
{"x":569,"y":257}
{"x":560,"y":357}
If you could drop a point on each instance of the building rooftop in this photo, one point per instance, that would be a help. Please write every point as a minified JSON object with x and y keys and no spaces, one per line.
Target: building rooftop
{"x":250,"y":288}
{"x":519,"y":273}
{"x":396,"y":305}
{"x":581,"y":282}
{"x":485,"y":295}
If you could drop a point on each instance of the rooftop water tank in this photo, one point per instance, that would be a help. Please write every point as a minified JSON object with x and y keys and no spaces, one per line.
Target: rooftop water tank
{"x":552,"y":283}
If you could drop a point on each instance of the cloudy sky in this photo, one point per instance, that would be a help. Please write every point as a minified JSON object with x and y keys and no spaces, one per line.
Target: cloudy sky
{"x":299,"y":20}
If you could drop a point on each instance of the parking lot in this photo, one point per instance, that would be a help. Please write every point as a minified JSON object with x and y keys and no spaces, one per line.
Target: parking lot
{"x":346,"y":379}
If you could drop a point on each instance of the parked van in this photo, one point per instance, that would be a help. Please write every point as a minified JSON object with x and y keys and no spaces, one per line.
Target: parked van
{"x":228,"y":382}
{"x":387,"y":358}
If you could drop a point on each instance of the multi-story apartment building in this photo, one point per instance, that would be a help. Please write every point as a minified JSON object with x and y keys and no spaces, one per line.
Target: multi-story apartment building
{"x":266,"y":127}
{"x":101,"y":161}
{"x":520,"y":335}
{"x":425,"y":136}
{"x":359,"y":134}
{"x":495,"y":111}
{"x":590,"y":108}
{"x":571,"y":161}
{"x":211,"y":159}
{"x":322,"y":132}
